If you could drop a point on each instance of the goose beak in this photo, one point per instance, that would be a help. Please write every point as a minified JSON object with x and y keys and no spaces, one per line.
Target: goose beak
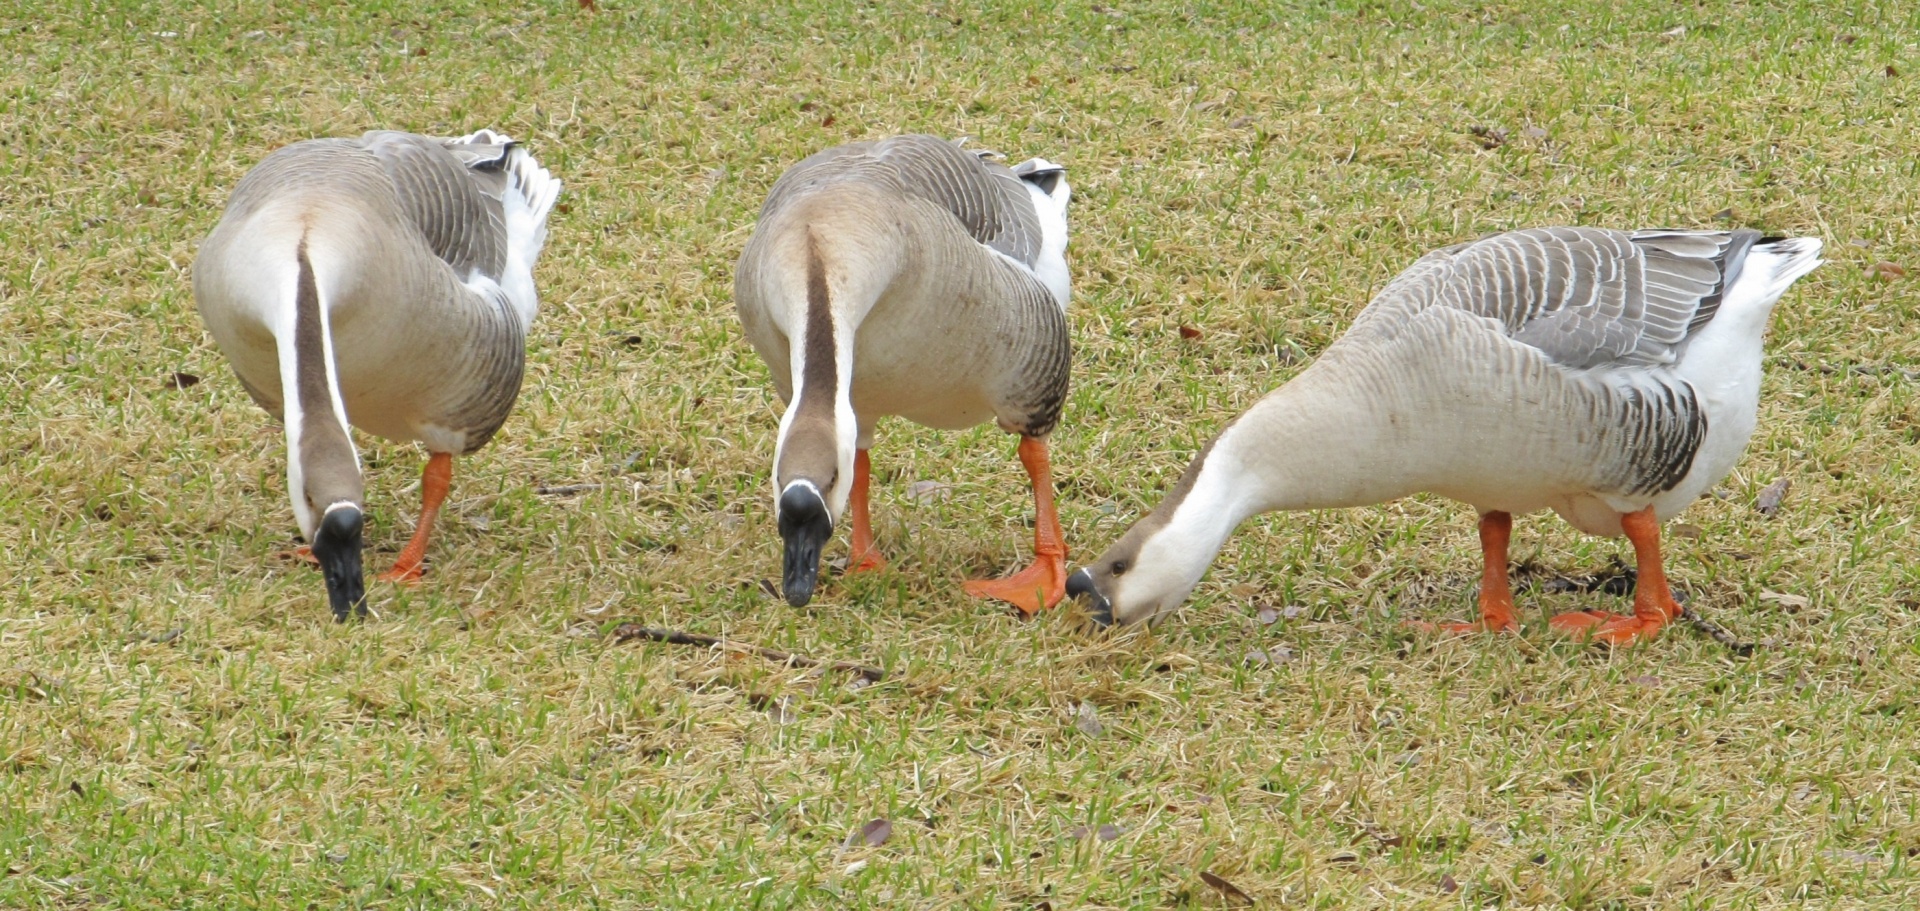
{"x":805,"y":526}
{"x":336,"y":544}
{"x":1080,"y":586}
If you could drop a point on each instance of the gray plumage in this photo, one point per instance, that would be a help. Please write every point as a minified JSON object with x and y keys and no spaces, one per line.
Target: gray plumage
{"x":1597,"y":373}
{"x":420,"y":253}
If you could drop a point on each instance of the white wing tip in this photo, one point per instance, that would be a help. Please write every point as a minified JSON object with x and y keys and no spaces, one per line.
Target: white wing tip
{"x":484,"y":136}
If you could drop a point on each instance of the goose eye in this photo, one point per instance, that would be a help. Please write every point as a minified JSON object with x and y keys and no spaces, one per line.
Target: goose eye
{"x":1119,"y":568}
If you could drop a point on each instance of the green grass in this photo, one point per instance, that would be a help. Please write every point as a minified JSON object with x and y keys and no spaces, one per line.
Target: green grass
{"x":178,"y":715}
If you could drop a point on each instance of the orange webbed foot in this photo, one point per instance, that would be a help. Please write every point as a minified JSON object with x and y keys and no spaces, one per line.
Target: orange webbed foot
{"x":1581,"y":622}
{"x":405,"y":574}
{"x":1610,"y":629}
{"x":1032,"y":590}
{"x":870,"y":562}
{"x":1478,"y":627}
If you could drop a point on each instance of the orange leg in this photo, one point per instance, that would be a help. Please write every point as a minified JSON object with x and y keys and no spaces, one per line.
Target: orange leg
{"x":1043,"y":584}
{"x":434,"y":482}
{"x":1653,"y":604}
{"x":862,"y":556}
{"x":1496,"y":596}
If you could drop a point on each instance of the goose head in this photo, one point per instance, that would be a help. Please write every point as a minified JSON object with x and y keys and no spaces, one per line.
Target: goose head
{"x":814,"y":477}
{"x":323,"y":475}
{"x":1154,"y":566}
{"x":1144,"y":576}
{"x":337,"y":544}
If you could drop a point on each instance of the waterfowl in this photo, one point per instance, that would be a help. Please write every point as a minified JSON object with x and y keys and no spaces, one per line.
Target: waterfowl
{"x":1612,"y":377}
{"x":907,"y":277}
{"x":384,"y":282}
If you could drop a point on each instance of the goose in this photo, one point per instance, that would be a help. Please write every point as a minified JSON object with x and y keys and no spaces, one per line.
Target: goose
{"x":905,"y":276}
{"x":384,"y":282}
{"x":1609,"y":376}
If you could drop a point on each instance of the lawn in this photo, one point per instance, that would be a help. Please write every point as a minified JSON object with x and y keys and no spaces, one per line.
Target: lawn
{"x":179,"y":716}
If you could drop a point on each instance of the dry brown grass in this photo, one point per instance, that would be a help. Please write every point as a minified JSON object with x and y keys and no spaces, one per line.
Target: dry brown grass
{"x":1250,"y":172}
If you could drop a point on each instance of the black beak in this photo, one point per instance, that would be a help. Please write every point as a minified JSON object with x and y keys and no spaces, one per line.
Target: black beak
{"x":1099,"y":609}
{"x":805,"y":526}
{"x":336,"y":544}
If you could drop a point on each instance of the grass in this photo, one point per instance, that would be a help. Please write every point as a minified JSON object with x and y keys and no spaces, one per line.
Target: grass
{"x":178,"y":715}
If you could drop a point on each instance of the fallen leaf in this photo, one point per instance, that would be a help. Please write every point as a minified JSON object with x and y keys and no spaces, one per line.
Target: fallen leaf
{"x":1892,"y":73}
{"x":1678,"y":31}
{"x":1108,"y":832}
{"x":1267,"y":616}
{"x":1489,"y":137}
{"x":1258,"y":658}
{"x":1344,"y":859}
{"x":591,"y":6}
{"x":1087,"y":719}
{"x":1768,"y":502}
{"x":876,"y":832}
{"x":1685,"y":530}
{"x":183,"y":380}
{"x":1189,"y":333}
{"x":1886,"y":271}
{"x":828,"y":121}
{"x":1862,"y":243}
{"x":1790,"y":602}
{"x":1449,"y":885}
{"x":1849,"y":39}
{"x":1724,"y":214}
{"x":1292,"y":611}
{"x":1231,"y":891}
{"x":1239,"y":122}
{"x":1645,"y":680}
{"x":1534,"y":133}
{"x":161,"y":638}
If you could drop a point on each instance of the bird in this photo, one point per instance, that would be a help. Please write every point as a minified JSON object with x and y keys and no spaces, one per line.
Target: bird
{"x":1610,"y":376}
{"x":907,"y":276}
{"x":383,"y":282}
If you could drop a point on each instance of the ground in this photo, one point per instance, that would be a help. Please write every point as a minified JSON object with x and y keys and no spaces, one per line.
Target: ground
{"x":179,"y":715}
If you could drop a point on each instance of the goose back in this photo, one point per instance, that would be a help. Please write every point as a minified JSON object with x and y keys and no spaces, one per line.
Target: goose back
{"x":409,"y":246}
{"x":990,"y":202}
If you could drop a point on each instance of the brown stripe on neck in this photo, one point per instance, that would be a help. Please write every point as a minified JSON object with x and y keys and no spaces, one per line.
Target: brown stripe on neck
{"x":1163,"y":513}
{"x":326,"y":454}
{"x":811,"y":449}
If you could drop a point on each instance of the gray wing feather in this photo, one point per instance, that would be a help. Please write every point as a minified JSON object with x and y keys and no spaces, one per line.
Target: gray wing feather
{"x":452,"y":191}
{"x":1586,"y":297}
{"x":987,"y":198}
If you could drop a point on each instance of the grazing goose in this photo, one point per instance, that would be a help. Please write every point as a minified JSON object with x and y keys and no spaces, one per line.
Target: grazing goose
{"x":907,"y":277}
{"x":1612,"y":377}
{"x":387,"y":281}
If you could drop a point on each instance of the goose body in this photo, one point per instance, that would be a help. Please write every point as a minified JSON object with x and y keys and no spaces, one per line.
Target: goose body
{"x":1609,"y":376}
{"x":905,"y":277}
{"x":384,"y":282}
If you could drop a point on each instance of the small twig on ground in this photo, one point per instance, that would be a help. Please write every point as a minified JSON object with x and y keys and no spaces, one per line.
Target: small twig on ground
{"x":566,"y":490}
{"x":627,"y":632}
{"x":1716,"y":632}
